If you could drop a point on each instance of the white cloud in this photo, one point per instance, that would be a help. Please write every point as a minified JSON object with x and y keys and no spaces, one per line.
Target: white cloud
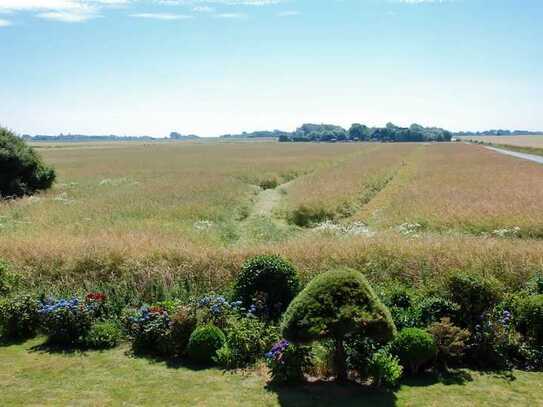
{"x":4,"y":23}
{"x":231,"y":15}
{"x":162,"y":16}
{"x":67,"y":16}
{"x":204,"y":9}
{"x":288,"y":13}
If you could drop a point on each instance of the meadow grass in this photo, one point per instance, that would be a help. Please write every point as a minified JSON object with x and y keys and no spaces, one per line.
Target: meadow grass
{"x":152,"y":220}
{"x":34,"y":375}
{"x":519,"y":141}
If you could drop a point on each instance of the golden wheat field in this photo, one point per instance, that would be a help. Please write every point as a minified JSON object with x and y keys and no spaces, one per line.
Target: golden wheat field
{"x":163,"y":214}
{"x":519,"y":141}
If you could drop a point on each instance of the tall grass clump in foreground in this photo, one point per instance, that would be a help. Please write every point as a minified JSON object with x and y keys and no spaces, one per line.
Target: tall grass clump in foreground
{"x":22,"y":169}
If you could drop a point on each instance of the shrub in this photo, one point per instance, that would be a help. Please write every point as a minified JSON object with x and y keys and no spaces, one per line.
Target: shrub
{"x":451,"y":341}
{"x":271,"y":280}
{"x":183,"y":323}
{"x":306,"y":216}
{"x":66,"y":322}
{"x":333,"y":305}
{"x":103,"y":335}
{"x":246,"y":341}
{"x":19,"y":317}
{"x":434,"y":308}
{"x":414,"y":347}
{"x":474,"y":295}
{"x":288,"y":362}
{"x":360,"y":350}
{"x":529,"y":318}
{"x":269,"y":183}
{"x":385,"y":370}
{"x":215,"y":310}
{"x":4,"y":283}
{"x":398,"y":296}
{"x":149,"y":330}
{"x":204,"y":343}
{"x":535,"y":284}
{"x":23,"y":171}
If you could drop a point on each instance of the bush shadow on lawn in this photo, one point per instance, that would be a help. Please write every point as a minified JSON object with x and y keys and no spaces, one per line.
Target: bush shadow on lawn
{"x":321,"y":393}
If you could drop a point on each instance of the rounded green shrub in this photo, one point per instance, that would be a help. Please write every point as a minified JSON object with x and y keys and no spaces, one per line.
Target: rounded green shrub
{"x":23,"y":171}
{"x":474,"y":295}
{"x":529,"y":317}
{"x":414,"y":347}
{"x":103,"y":335}
{"x":270,"y":280}
{"x":204,"y":343}
{"x":19,"y":317}
{"x":333,"y":305}
{"x":433,"y":308}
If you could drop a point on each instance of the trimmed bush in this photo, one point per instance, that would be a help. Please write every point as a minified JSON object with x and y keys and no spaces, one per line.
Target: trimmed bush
{"x":529,"y":317}
{"x":414,"y":347}
{"x":333,"y":305}
{"x":103,"y":335}
{"x":66,"y":322}
{"x":474,"y":295}
{"x":385,"y":370}
{"x":450,"y":340}
{"x":204,"y":343}
{"x":23,"y":171}
{"x":288,"y":362}
{"x":270,"y":280}
{"x":19,"y":317}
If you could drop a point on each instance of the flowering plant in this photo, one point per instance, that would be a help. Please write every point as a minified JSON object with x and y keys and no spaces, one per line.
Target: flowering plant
{"x":288,"y":362}
{"x":149,"y":330}
{"x":216,"y":309}
{"x":66,"y":321}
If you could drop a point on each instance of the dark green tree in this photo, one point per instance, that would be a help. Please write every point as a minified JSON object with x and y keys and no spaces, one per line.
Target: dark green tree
{"x":22,"y":171}
{"x":334,"y":305}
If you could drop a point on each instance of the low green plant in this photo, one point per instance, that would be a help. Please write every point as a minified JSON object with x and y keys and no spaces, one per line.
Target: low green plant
{"x":103,"y":335}
{"x":288,"y":362}
{"x":451,"y":341}
{"x":204,"y":343}
{"x":414,"y":347}
{"x":306,"y":216}
{"x":246,"y":341}
{"x":19,"y":317}
{"x":529,"y":318}
{"x":385,"y":370}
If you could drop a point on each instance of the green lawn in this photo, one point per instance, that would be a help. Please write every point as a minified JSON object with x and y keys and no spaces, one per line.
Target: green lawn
{"x":30,"y":375}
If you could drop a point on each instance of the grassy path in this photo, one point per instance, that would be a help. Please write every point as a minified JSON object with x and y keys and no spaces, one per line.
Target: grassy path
{"x":31,"y":376}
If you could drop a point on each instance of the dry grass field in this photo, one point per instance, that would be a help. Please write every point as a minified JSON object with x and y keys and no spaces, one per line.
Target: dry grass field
{"x":181,"y":216}
{"x":519,"y":141}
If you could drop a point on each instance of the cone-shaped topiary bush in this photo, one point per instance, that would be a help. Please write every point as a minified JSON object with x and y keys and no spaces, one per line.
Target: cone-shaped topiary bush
{"x":267,"y":284}
{"x":333,"y":305}
{"x":22,"y":171}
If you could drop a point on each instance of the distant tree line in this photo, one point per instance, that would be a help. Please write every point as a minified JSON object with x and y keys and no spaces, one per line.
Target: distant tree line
{"x":259,"y":134}
{"x":87,"y":138}
{"x":499,"y":133}
{"x":360,"y":132}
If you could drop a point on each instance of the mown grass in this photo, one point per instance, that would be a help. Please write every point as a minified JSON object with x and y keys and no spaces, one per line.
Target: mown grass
{"x":34,"y":375}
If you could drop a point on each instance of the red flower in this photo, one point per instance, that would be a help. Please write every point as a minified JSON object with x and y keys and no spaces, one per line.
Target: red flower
{"x":99,"y":297}
{"x":156,"y":310}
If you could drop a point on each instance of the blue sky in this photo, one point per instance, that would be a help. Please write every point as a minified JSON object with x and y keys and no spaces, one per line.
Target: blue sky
{"x":209,"y":67}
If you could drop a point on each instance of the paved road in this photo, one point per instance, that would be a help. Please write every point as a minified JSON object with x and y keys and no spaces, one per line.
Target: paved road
{"x":530,"y":157}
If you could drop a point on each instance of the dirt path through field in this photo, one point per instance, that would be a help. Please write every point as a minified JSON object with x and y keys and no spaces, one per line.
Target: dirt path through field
{"x":524,"y":156}
{"x":267,"y":200}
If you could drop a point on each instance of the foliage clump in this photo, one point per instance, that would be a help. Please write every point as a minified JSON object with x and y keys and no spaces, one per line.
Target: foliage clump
{"x":267,"y":284}
{"x":103,"y":335}
{"x":288,"y":362}
{"x":204,"y":343}
{"x":23,"y":171}
{"x":530,"y":318}
{"x":451,"y":341}
{"x":19,"y":317}
{"x":414,"y":347}
{"x":385,"y":369}
{"x":334,"y":305}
